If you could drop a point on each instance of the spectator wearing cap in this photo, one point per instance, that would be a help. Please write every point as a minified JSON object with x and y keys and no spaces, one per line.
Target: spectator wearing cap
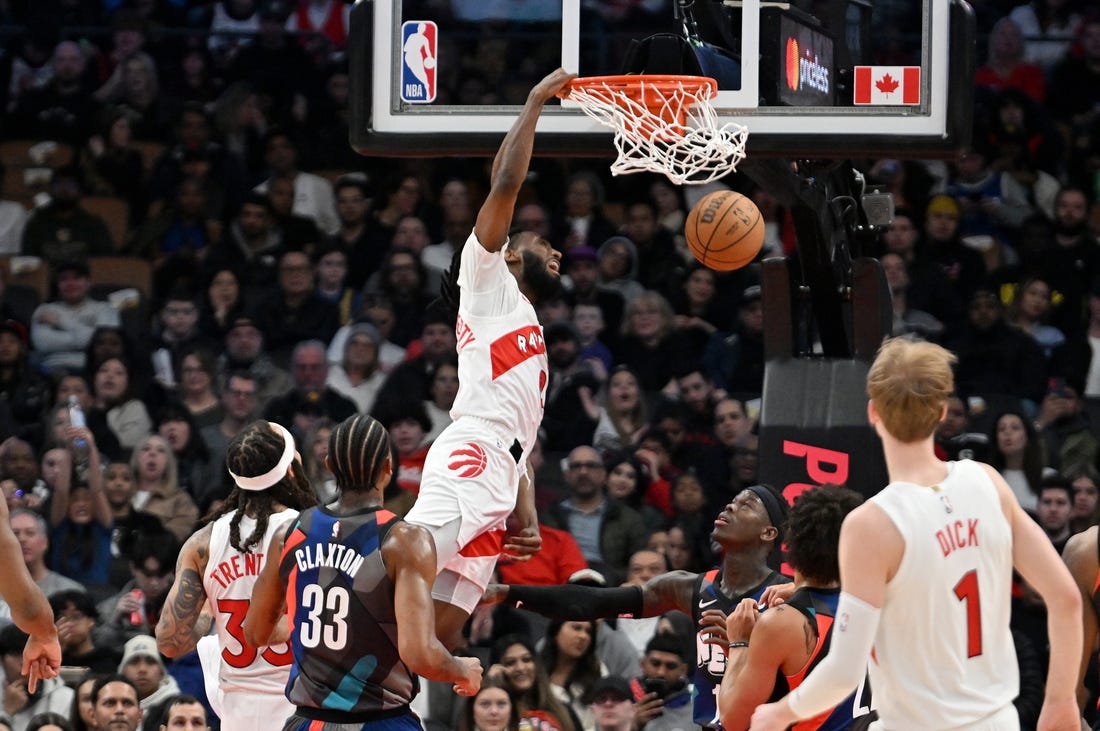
{"x":76,"y":617}
{"x":61,"y":230}
{"x":734,"y":361}
{"x":244,"y":351}
{"x":572,"y":410}
{"x":377,"y":310}
{"x":1075,"y":80}
{"x":251,"y":246}
{"x":358,"y":376}
{"x":24,"y":394}
{"x":582,"y":281}
{"x":963,"y":267}
{"x":309,"y":397}
{"x":611,"y":702}
{"x":143,"y":666}
{"x":60,"y":330}
{"x":19,"y":707}
{"x":312,"y":194}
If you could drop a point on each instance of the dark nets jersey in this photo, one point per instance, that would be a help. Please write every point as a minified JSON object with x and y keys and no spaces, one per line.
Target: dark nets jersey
{"x":341,"y":602}
{"x":710,"y":663}
{"x":818,"y":606}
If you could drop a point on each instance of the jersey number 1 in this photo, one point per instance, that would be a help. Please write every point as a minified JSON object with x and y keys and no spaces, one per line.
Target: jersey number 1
{"x":967,"y":591}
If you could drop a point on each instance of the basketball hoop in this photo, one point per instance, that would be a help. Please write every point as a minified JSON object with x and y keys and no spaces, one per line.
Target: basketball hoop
{"x":663,"y":124}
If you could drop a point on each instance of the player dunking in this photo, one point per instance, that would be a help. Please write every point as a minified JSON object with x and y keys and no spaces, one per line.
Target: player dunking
{"x":357,"y":581}
{"x":472,"y":473}
{"x":926,"y":571}
{"x":218,"y":568}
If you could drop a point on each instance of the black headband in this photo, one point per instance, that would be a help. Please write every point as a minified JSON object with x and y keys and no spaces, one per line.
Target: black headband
{"x":771,"y":504}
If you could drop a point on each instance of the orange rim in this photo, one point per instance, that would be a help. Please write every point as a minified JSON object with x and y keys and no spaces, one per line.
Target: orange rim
{"x":631,"y":84}
{"x":651,"y":91}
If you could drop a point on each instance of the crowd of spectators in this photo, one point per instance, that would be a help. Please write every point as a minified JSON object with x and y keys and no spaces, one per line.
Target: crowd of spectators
{"x":294,"y":280}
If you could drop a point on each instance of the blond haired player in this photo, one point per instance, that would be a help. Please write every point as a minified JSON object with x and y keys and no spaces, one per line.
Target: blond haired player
{"x":926,"y":569}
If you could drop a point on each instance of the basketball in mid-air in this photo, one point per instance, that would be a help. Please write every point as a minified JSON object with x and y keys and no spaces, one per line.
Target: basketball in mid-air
{"x":724,"y":230}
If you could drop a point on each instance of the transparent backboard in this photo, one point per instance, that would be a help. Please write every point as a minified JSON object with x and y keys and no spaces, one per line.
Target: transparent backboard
{"x":809,"y":78}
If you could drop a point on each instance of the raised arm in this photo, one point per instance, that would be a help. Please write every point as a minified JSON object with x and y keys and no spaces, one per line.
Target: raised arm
{"x":511,"y":162}
{"x":1034,"y":557}
{"x":1081,"y":559}
{"x":29,"y":609}
{"x":101,"y":508}
{"x":410,"y":555}
{"x":182,"y":623}
{"x":59,"y":500}
{"x":268,"y":596}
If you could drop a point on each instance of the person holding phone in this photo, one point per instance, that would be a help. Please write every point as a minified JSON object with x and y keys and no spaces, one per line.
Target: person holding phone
{"x":662,"y":693}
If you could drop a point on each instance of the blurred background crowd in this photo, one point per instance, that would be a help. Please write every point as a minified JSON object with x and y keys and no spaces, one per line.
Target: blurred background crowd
{"x":188,"y":243}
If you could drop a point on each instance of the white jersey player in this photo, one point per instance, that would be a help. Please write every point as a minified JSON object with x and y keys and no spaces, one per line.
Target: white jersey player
{"x":472,"y":475}
{"x":215,"y":575}
{"x":925,"y":570}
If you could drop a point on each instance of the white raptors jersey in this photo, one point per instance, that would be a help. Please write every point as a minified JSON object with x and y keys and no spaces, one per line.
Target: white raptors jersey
{"x":229,"y":580}
{"x":501,"y":354}
{"x":943,"y":654}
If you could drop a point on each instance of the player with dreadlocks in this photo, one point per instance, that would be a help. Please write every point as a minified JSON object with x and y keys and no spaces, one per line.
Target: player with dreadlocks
{"x":344,"y":571}
{"x":216,"y":571}
{"x":473,"y":477}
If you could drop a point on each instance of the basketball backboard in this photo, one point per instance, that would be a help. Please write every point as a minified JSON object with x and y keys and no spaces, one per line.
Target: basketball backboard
{"x":809,"y":78}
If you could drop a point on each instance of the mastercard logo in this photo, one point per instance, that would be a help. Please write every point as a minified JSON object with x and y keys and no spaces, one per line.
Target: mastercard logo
{"x":792,"y":64}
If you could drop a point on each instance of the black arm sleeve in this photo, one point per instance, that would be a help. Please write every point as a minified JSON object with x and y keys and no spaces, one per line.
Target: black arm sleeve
{"x":578,"y":602}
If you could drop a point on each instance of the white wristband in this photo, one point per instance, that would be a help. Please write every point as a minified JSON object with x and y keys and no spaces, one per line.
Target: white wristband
{"x":845,"y":666}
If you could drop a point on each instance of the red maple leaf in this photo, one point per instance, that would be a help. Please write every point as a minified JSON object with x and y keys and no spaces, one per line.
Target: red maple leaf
{"x":886,"y":84}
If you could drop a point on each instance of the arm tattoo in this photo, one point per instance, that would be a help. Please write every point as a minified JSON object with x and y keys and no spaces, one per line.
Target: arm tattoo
{"x":179,"y":626}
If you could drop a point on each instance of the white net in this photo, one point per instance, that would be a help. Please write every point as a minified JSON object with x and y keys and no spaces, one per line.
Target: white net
{"x":663,"y":124}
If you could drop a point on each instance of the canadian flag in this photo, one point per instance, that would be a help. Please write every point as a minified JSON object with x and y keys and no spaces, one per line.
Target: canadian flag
{"x":887,"y":85}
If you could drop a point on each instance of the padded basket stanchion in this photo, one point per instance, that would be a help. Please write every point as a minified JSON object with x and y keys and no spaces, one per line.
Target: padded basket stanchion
{"x":663,"y":124}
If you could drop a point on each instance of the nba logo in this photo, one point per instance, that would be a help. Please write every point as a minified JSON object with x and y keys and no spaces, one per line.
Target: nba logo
{"x":418,"y":48}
